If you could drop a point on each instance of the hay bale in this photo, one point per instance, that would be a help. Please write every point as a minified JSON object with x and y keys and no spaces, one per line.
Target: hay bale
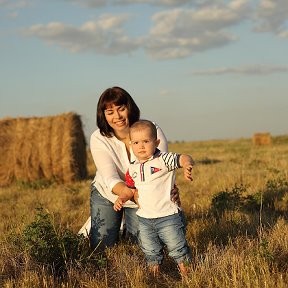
{"x":7,"y":133}
{"x":261,"y":139}
{"x":42,"y":148}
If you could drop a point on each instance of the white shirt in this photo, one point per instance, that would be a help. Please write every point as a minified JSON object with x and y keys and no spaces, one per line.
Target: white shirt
{"x":154,"y":180}
{"x":111,"y":160}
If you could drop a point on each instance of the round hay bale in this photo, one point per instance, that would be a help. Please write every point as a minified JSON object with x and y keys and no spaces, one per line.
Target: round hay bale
{"x":261,"y":138}
{"x":44,"y":140}
{"x":7,"y":133}
{"x":52,"y":148}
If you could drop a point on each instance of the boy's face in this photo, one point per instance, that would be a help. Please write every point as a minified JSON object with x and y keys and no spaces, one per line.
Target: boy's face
{"x":143,"y":144}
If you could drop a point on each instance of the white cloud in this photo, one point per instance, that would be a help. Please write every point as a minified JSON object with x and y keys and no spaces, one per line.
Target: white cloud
{"x":91,"y":3}
{"x":175,"y":32}
{"x":167,"y":3}
{"x":273,"y":16}
{"x":181,"y":32}
{"x":107,"y":21}
{"x":156,"y":2}
{"x":12,"y":4}
{"x":13,"y":15}
{"x":283,"y":34}
{"x":164,"y":93}
{"x":249,"y":70}
{"x":12,"y":7}
{"x":105,"y":36}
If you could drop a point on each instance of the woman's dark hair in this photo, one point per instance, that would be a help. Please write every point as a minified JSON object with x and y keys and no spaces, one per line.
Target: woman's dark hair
{"x":117,"y":96}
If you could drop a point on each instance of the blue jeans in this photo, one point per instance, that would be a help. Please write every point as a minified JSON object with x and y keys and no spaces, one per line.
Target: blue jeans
{"x":169,"y":231}
{"x":106,"y":222}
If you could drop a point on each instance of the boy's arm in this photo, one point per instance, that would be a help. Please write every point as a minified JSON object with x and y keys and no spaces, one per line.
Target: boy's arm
{"x":118,"y":204}
{"x":126,"y":194}
{"x":187,"y":163}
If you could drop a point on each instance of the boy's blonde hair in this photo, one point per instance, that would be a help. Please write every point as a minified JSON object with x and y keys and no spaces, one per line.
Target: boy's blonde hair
{"x":141,"y":124}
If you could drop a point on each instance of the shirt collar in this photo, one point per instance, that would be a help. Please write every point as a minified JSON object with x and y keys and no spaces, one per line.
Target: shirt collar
{"x":155,"y":155}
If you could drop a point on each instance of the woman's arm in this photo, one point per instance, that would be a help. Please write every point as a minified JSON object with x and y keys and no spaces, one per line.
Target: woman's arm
{"x":104,"y":162}
{"x":163,"y":145}
{"x":123,"y":191}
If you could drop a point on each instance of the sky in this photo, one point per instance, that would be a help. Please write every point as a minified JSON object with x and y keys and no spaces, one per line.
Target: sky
{"x":200,"y":69}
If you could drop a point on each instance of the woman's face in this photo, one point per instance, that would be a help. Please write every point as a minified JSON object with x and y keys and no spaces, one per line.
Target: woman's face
{"x":117,"y":117}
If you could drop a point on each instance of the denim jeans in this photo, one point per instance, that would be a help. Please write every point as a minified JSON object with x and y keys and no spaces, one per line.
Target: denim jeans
{"x":157,"y":232}
{"x":106,"y":222}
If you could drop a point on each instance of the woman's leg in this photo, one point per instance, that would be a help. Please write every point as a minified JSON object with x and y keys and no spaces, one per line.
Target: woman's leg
{"x":131,"y":224}
{"x":105,"y":222}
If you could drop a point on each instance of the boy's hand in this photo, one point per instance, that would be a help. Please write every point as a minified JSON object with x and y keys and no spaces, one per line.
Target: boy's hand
{"x":188,"y":172}
{"x":118,"y":204}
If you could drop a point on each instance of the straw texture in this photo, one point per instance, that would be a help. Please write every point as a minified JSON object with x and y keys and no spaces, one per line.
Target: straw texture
{"x":35,"y":148}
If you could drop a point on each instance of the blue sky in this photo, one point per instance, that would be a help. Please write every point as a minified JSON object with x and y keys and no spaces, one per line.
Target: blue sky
{"x":201,"y":69}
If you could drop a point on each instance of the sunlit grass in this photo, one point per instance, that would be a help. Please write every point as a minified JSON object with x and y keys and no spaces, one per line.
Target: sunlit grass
{"x":237,"y":248}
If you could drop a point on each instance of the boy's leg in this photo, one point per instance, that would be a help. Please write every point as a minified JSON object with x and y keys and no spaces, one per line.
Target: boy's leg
{"x":154,"y":269}
{"x":183,"y":268}
{"x":171,"y":231}
{"x":150,"y":244}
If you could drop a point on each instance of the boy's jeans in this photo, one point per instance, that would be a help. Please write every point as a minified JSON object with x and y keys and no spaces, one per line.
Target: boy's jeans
{"x":168,"y":230}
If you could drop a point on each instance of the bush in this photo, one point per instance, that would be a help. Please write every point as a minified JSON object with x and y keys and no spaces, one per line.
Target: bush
{"x":56,"y":248}
{"x":274,"y":193}
{"x":276,"y":190}
{"x":34,"y":185}
{"x":227,"y":200}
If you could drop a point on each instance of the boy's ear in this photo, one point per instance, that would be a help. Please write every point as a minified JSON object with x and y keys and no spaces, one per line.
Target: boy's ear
{"x":157,"y":142}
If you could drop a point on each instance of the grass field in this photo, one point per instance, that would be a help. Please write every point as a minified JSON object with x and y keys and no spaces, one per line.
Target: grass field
{"x":236,"y":210}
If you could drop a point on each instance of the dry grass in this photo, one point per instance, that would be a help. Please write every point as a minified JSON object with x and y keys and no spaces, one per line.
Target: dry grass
{"x":239,"y":249}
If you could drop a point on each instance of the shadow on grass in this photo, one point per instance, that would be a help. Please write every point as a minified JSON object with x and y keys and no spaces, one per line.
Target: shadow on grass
{"x":208,"y":161}
{"x":230,"y":226}
{"x":233,"y":214}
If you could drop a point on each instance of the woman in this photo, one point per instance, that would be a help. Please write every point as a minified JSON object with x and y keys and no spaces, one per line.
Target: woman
{"x":110,"y":148}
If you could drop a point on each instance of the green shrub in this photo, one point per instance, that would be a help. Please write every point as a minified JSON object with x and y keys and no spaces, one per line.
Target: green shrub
{"x":35,"y":185}
{"x":233,"y":200}
{"x":227,"y":200}
{"x":57,"y":248}
{"x":275,"y":191}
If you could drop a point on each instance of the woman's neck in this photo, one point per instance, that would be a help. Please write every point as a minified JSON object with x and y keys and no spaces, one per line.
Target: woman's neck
{"x":122,"y":136}
{"x":125,"y":138}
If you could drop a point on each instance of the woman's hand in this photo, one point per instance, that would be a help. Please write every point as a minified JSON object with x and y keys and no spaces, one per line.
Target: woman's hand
{"x":175,"y":195}
{"x":136,"y":197}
